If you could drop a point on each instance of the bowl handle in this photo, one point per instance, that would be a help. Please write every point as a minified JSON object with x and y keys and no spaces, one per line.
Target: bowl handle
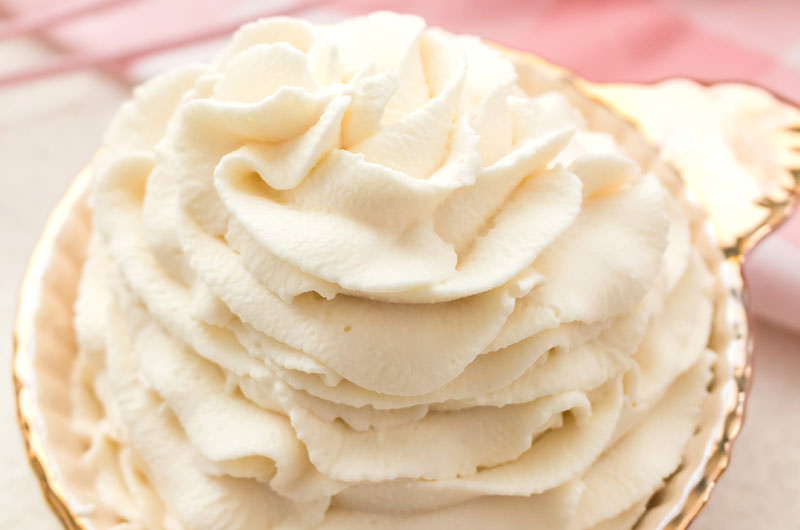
{"x":741,"y":215}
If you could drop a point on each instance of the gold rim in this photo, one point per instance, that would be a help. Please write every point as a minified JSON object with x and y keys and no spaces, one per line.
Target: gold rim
{"x":52,"y":490}
{"x":776,"y":211}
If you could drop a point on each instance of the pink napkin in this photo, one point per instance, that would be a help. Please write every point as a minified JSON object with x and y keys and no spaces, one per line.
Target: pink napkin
{"x":773,"y":275}
{"x":602,"y":40}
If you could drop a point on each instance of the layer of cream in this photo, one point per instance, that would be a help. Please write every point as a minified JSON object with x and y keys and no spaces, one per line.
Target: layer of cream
{"x":355,"y":276}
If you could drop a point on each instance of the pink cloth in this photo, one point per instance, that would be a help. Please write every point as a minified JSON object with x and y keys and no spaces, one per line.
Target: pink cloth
{"x":773,"y":275}
{"x":602,"y":40}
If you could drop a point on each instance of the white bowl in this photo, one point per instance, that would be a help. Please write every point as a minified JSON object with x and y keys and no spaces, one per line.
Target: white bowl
{"x":44,"y":341}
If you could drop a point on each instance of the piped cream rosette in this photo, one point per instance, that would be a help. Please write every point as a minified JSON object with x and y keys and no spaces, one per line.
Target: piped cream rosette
{"x":354,"y":276}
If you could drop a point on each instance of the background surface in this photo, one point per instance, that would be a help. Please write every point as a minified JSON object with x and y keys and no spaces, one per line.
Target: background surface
{"x":49,"y":130}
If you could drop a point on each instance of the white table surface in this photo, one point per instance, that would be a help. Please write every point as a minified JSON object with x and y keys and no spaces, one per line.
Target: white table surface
{"x":49,"y":130}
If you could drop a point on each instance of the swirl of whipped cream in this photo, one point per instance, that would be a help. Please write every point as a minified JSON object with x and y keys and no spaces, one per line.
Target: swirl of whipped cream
{"x":357,"y":276}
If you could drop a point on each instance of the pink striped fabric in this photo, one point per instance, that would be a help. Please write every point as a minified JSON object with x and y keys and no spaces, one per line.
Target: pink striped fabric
{"x":602,"y":40}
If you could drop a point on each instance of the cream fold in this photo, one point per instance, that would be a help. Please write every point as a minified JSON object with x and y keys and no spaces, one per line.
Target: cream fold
{"x":354,"y":276}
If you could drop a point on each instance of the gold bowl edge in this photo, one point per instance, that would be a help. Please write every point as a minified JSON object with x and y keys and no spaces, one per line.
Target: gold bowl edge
{"x":21,"y":373}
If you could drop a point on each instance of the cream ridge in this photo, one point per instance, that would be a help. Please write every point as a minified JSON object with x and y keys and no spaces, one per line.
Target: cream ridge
{"x":355,"y":276}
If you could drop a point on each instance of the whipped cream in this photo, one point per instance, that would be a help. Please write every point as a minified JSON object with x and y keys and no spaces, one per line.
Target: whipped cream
{"x":356,"y":276}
